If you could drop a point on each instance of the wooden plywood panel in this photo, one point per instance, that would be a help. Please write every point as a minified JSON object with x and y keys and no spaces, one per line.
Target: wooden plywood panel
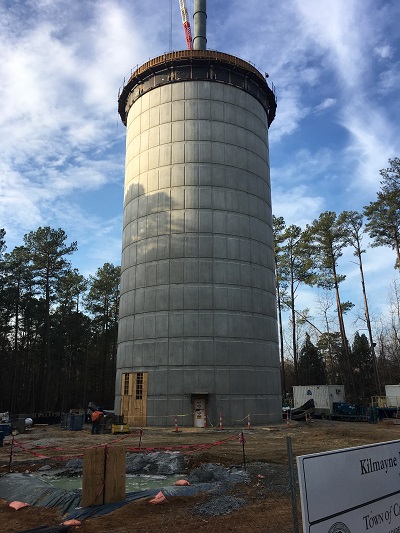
{"x":125,"y":406}
{"x":93,"y":476}
{"x":139,"y":406}
{"x":134,"y":409}
{"x":115,"y":474}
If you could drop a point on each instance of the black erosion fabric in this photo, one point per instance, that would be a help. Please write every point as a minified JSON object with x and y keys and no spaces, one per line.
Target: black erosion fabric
{"x":100,"y":510}
{"x":30,"y":489}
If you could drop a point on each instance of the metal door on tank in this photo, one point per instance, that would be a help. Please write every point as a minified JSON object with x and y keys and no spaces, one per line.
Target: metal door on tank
{"x":199,"y":412}
{"x":134,"y":398}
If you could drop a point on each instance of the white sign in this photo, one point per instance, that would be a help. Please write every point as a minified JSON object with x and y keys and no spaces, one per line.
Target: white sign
{"x":351,"y":490}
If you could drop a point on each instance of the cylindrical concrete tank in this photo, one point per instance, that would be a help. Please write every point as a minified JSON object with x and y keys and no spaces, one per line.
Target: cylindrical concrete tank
{"x":198,"y":329}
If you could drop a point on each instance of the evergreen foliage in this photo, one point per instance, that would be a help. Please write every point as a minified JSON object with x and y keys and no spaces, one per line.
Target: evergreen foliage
{"x":383,"y":215}
{"x":58,"y":330}
{"x":311,"y":364}
{"x":57,"y":354}
{"x":362,"y":363}
{"x":372,"y":362}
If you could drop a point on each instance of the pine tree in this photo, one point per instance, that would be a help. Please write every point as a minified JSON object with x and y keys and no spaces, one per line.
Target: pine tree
{"x":311,"y":364}
{"x":326,"y":239}
{"x":280,"y":285}
{"x":47,"y":250}
{"x":384,"y":214}
{"x":353,"y":222}
{"x":298,"y":267}
{"x":102,"y":301}
{"x":363,"y":367}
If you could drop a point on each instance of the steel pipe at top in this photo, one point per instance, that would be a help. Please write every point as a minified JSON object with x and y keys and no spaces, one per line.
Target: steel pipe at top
{"x":200,"y":25}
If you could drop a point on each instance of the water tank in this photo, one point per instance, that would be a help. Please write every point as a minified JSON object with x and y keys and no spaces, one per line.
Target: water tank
{"x":198,"y":330}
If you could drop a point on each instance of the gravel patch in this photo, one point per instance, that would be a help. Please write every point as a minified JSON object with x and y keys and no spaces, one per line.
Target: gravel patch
{"x":218,"y":505}
{"x":73,"y":467}
{"x":156,"y":464}
{"x":152,"y":464}
{"x":214,"y":473}
{"x":224,"y":479}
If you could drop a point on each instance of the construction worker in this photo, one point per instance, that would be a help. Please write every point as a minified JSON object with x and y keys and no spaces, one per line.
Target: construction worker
{"x":97,"y":417}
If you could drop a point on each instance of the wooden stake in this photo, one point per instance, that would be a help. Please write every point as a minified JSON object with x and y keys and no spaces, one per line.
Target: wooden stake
{"x":11,"y":455}
{"x":241,"y":439}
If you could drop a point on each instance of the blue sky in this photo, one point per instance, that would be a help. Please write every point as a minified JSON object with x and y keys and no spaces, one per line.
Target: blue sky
{"x":335,"y":66}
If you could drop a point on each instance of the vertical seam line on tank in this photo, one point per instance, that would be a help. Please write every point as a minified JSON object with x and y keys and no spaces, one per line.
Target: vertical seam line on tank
{"x":170,"y":227}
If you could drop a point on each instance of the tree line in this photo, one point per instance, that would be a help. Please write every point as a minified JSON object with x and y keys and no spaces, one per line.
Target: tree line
{"x":58,"y":329}
{"x":310,"y":257}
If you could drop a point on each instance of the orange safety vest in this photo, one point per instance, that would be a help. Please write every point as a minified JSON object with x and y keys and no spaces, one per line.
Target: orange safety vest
{"x":96,"y":416}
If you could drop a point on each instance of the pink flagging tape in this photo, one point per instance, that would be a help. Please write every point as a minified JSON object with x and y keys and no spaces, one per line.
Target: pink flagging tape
{"x":185,"y":447}
{"x":71,"y":448}
{"x":40,"y":456}
{"x":167,"y":416}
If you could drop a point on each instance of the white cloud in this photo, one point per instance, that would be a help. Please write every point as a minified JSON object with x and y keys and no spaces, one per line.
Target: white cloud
{"x":62,"y":65}
{"x":384,"y":51}
{"x":296,"y":205}
{"x":59,"y":78}
{"x":389,"y":80}
{"x":302,"y":167}
{"x":373,"y":141}
{"x":346,"y":33}
{"x":326,"y":104}
{"x":289,"y":114}
{"x":337,"y":30}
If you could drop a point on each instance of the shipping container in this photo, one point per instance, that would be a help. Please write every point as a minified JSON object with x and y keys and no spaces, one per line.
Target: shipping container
{"x":324,"y":397}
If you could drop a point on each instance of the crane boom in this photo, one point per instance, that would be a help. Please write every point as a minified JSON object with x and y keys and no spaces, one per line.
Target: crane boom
{"x":186,"y":24}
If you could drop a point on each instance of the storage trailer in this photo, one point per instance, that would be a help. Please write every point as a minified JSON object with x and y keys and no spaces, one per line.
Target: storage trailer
{"x":328,"y":402}
{"x":392,"y":396}
{"x":324,"y":397}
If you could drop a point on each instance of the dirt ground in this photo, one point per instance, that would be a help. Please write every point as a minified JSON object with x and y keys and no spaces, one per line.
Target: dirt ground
{"x":266,"y":498}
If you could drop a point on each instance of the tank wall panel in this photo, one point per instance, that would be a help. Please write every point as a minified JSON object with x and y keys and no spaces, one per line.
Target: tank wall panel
{"x":198,"y":308}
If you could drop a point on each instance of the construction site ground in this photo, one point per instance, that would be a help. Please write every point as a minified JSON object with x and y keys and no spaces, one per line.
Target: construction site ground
{"x":265,"y":501}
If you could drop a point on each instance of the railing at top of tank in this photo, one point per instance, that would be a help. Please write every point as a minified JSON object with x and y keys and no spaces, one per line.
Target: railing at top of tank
{"x":202,"y":54}
{"x":273,"y":90}
{"x":186,"y":59}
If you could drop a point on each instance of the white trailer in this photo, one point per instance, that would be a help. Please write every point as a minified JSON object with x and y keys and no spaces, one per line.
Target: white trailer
{"x":392,"y":395}
{"x":323,"y":395}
